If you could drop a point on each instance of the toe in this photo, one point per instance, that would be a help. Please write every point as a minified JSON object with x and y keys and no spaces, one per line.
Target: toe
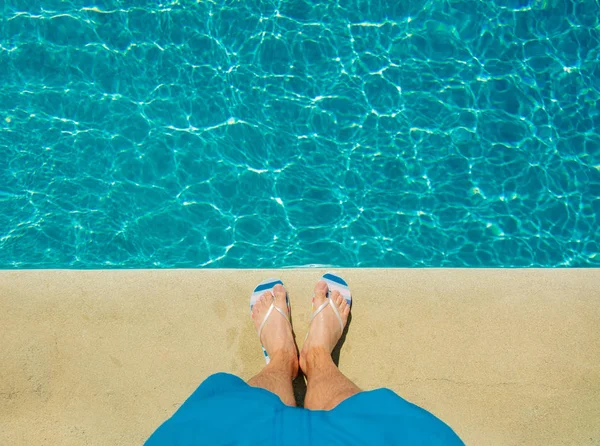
{"x":256,"y":306}
{"x":262,"y":303}
{"x":341,"y":304}
{"x":280,"y":293}
{"x":280,"y":297}
{"x":260,"y":306}
{"x":266,"y":297}
{"x":337,"y":298}
{"x":321,"y":290}
{"x":346,"y":310}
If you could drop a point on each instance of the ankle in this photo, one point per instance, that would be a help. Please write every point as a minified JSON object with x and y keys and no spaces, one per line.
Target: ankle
{"x":287,"y":360}
{"x":312,"y":357}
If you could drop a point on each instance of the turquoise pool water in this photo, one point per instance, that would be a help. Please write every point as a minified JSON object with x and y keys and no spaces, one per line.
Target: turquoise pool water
{"x":286,"y":133}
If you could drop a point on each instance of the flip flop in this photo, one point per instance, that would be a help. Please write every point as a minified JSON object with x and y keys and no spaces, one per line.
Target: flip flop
{"x":334,"y":283}
{"x":268,"y":285}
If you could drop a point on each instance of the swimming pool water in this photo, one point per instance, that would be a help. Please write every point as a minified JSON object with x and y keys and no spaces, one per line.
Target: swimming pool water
{"x":287,"y":133}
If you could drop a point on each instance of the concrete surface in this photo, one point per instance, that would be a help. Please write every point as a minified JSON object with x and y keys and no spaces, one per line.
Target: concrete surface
{"x":505,"y":357}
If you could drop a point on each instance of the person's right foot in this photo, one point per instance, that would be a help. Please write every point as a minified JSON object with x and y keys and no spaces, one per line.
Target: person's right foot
{"x":324,"y":331}
{"x":276,"y":336}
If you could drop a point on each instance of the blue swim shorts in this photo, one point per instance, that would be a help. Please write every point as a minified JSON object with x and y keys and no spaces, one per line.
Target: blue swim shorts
{"x":226,"y":410}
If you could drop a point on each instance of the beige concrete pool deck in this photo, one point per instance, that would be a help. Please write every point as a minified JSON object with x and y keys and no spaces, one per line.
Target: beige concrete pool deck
{"x":505,"y":357}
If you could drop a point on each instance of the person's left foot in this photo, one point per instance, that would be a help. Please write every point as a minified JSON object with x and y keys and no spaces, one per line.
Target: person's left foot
{"x":276,"y":335}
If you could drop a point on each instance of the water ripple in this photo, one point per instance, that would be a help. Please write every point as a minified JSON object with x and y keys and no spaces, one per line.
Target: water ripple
{"x":282,"y":133}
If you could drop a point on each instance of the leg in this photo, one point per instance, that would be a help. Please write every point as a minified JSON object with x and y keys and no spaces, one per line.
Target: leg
{"x":277,"y":378}
{"x":326,"y":385}
{"x":278,"y":340}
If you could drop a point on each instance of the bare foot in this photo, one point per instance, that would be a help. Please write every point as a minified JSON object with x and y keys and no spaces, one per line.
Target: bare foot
{"x":276,"y":335}
{"x":325,"y":331}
